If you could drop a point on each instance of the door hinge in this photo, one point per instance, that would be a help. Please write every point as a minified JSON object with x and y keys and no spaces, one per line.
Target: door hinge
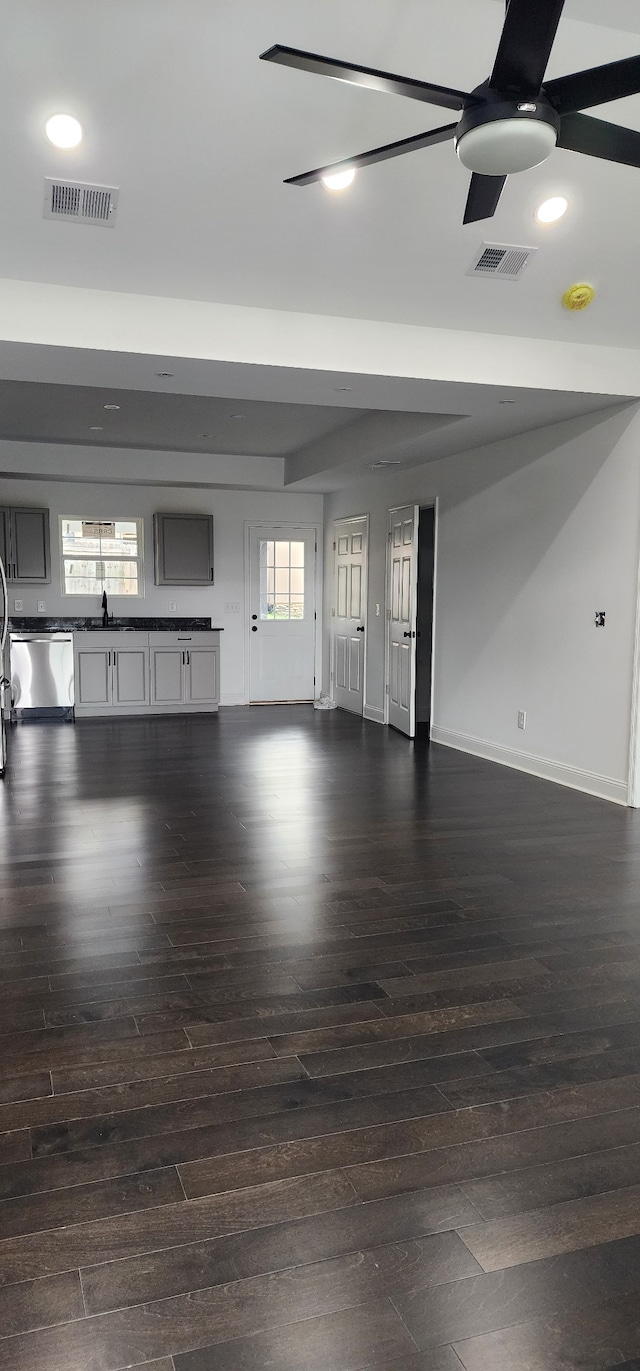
{"x":314,"y":614}
{"x":334,"y":547}
{"x":386,"y":690}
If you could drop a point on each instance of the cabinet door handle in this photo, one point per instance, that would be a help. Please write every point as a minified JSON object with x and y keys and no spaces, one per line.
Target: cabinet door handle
{"x":188,"y":658}
{"x":183,"y":656}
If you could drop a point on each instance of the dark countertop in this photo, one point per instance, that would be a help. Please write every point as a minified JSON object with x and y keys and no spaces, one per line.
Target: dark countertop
{"x":41,"y":623}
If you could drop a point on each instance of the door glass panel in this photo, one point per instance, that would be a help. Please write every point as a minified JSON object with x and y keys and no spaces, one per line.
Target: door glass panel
{"x":281,"y":579}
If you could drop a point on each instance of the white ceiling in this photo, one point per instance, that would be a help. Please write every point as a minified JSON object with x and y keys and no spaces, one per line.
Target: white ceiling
{"x":48,"y":413}
{"x":198,"y":135}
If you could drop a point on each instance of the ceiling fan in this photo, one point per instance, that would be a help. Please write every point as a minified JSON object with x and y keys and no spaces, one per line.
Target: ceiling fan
{"x":512,"y":121}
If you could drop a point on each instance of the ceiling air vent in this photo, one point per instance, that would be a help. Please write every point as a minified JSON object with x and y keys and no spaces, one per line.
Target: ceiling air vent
{"x":501,"y":259}
{"x":81,"y":203}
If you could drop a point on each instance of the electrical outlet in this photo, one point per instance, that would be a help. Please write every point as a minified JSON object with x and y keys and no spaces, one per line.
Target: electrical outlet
{"x":17,"y":605}
{"x":232,"y":607}
{"x":41,"y":606}
{"x":377,"y":611}
{"x":522,"y":718}
{"x":173,"y":606}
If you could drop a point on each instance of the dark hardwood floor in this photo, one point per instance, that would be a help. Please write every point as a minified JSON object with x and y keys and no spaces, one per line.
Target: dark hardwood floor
{"x":320,"y":1052}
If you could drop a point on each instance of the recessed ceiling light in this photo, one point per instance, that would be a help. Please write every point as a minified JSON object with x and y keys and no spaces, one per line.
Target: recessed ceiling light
{"x":63,"y":131}
{"x":95,"y":428}
{"x":237,"y":416}
{"x":339,"y":180}
{"x":164,"y":373}
{"x":552,"y":209}
{"x":110,"y":406}
{"x":375,"y":466}
{"x":506,"y":402}
{"x":343,"y":389}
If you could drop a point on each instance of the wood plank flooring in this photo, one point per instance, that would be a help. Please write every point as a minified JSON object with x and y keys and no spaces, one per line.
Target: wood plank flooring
{"x":320,"y":1051}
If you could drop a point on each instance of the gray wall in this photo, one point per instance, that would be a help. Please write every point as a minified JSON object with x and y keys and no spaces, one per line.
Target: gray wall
{"x":534,"y":534}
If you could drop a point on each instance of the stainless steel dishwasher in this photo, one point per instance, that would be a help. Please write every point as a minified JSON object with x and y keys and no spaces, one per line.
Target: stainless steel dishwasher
{"x":41,"y":669}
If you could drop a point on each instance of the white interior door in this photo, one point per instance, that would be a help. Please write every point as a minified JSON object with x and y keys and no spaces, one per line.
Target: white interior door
{"x":401,"y":617}
{"x":348,"y":619}
{"x":282,"y":614}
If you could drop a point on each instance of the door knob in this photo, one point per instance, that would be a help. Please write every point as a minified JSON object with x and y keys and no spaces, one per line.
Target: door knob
{"x":406,"y":635}
{"x":254,"y":616}
{"x":254,"y":629}
{"x":360,"y":630}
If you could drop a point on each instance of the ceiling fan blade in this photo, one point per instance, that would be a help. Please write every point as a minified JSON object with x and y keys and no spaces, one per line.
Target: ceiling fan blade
{"x":368,"y":76}
{"x":523,"y":52}
{"x":597,"y":138}
{"x":365,"y":159}
{"x":483,"y":197}
{"x":598,"y":86}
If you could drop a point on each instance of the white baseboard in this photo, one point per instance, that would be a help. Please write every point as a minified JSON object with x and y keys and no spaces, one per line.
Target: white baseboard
{"x":228,"y":700}
{"x":605,"y":787}
{"x":375,"y":715}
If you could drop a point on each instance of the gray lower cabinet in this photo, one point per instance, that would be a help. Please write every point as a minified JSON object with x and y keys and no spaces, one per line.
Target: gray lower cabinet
{"x":24,"y":545}
{"x":184,"y":670}
{"x":111,"y":671}
{"x":145,"y":673}
{"x":183,"y":549}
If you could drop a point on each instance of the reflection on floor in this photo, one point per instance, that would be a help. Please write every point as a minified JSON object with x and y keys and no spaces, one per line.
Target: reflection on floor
{"x":319,"y":1052}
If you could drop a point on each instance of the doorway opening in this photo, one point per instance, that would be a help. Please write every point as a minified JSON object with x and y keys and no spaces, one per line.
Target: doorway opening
{"x":409,"y":613}
{"x":424,"y":619}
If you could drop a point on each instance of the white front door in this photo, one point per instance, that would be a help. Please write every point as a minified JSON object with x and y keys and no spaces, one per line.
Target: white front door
{"x":349,"y":612}
{"x":282,"y":627}
{"x":401,"y":617}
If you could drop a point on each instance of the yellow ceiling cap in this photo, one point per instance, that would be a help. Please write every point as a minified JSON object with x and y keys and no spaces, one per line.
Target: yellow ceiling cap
{"x":579,"y":296}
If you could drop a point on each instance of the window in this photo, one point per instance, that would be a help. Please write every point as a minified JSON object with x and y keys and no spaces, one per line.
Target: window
{"x":101,"y":555}
{"x":281,"y":579}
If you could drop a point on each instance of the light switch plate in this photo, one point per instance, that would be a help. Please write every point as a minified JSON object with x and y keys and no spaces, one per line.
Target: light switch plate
{"x":173,"y":606}
{"x":232,"y":607}
{"x":41,"y":606}
{"x":17,"y":605}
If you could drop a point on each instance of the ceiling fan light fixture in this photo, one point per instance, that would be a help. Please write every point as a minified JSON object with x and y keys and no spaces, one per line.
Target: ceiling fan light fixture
{"x":551,"y":210}
{"x":502,"y":146}
{"x":339,"y":180}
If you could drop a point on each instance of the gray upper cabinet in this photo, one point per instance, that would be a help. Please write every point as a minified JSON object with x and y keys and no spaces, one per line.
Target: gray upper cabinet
{"x":183,"y":545}
{"x":24,"y":545}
